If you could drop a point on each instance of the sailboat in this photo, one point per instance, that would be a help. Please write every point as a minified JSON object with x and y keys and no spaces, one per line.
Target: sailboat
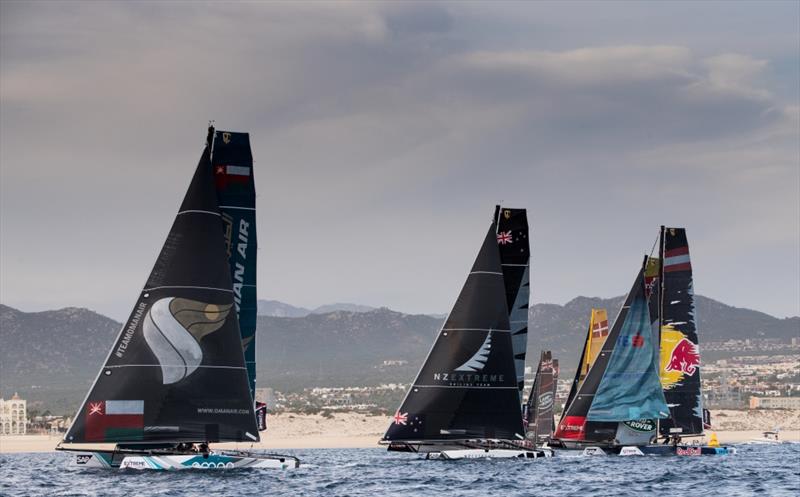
{"x":595,"y":338}
{"x":621,"y":393}
{"x":538,"y":410}
{"x":181,"y":373}
{"x":645,"y":383}
{"x":465,"y":401}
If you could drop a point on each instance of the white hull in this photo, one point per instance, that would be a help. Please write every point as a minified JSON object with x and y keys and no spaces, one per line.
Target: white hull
{"x":171,"y":462}
{"x":491,"y":454}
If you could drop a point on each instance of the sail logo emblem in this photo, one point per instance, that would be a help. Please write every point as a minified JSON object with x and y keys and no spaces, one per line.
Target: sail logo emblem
{"x":478,"y":361}
{"x":174,"y":328}
{"x":507,"y":214}
{"x":226,"y":138}
{"x":684,"y":358}
{"x":641,"y":425}
{"x":545,"y":401}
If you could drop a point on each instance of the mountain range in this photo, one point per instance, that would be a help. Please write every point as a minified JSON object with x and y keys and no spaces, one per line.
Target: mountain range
{"x":52,"y":357}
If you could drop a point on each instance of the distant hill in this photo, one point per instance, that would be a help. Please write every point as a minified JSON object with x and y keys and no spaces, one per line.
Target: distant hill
{"x":279,"y":309}
{"x":52,"y":357}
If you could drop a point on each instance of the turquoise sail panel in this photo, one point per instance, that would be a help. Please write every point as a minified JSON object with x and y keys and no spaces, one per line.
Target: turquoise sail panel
{"x":232,"y":163}
{"x":630,"y":388}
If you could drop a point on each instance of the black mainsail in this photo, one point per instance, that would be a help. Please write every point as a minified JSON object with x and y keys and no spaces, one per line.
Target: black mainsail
{"x":232,"y":161}
{"x":176,"y":372}
{"x":680,"y":353}
{"x":467,"y":387}
{"x":539,"y":408}
{"x":515,"y":253}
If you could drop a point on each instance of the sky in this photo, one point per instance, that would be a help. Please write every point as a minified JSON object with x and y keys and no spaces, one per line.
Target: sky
{"x":384,"y":134}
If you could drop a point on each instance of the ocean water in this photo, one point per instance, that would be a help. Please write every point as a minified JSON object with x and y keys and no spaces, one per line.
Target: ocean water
{"x":755,"y":470}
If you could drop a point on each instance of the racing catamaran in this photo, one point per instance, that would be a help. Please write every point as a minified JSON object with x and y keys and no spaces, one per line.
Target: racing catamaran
{"x":465,"y":400}
{"x":538,"y":410}
{"x":181,"y":372}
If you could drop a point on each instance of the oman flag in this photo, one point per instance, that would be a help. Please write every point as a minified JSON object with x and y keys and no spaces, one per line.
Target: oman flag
{"x":114,"y":420}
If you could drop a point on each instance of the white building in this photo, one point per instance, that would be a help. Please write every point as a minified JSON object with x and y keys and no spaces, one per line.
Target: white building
{"x":13,"y":416}
{"x":774,"y":402}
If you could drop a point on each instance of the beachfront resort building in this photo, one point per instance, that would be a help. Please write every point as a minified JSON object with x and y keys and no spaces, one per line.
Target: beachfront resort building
{"x":13,"y":416}
{"x":774,"y":402}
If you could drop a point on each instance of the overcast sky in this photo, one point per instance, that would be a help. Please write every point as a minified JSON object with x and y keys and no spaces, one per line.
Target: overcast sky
{"x":384,"y":134}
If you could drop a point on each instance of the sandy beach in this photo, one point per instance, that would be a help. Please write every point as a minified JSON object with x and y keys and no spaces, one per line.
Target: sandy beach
{"x":353,"y":430}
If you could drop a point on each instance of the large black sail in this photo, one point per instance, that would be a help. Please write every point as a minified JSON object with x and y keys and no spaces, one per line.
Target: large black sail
{"x":232,"y":161}
{"x":467,"y":388}
{"x":680,"y":353}
{"x":176,"y":371}
{"x":539,"y":408}
{"x":514,"y":244}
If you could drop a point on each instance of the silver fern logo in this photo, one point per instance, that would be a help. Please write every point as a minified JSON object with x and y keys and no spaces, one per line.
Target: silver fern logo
{"x":173,"y":329}
{"x":478,"y":361}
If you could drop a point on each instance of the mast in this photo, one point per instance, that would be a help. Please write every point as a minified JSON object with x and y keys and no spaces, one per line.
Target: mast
{"x":467,"y":388}
{"x":176,"y":371}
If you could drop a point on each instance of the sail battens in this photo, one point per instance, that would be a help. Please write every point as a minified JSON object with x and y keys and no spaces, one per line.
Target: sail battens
{"x":514,"y":265}
{"x":182,"y":365}
{"x":192,"y":287}
{"x":499,"y":273}
{"x":237,"y":207}
{"x":466,"y":387}
{"x":195,"y":211}
{"x":476,"y":329}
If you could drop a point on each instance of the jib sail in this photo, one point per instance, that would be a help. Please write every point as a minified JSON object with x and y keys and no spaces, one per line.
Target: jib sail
{"x":514,"y":244}
{"x":622,"y":385}
{"x":232,"y":162}
{"x":595,"y":338}
{"x":467,"y":387}
{"x":176,"y":372}
{"x":680,"y":353}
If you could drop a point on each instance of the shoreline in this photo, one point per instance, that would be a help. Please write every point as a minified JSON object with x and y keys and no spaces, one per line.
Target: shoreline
{"x":349,"y":430}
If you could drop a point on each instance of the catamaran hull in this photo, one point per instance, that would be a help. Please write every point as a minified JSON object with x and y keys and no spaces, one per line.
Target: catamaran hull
{"x":646,"y":450}
{"x":170,"y":462}
{"x":490,"y":454}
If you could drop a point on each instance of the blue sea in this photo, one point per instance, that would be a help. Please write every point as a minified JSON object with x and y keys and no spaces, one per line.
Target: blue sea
{"x":754,"y":470}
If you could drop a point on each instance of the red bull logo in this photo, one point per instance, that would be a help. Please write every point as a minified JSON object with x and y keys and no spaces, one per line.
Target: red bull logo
{"x":685,"y":358}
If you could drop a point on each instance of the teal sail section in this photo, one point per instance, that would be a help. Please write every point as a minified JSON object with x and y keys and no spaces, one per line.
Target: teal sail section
{"x":630,"y":388}
{"x":232,"y":163}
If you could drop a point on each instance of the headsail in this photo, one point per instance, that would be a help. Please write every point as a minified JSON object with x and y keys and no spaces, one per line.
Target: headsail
{"x":232,"y":162}
{"x":514,"y":244}
{"x":595,"y":338}
{"x":539,"y":408}
{"x":622,"y":385}
{"x":680,"y":353}
{"x":176,"y":371}
{"x":467,"y":386}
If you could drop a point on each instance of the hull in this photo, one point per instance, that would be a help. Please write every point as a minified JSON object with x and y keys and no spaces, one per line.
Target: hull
{"x":646,"y":450}
{"x":490,"y":454}
{"x":166,"y":461}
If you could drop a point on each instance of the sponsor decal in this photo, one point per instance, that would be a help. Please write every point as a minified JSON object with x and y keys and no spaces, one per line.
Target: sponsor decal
{"x":83,"y":458}
{"x":635,"y":341}
{"x":478,"y":361}
{"x":114,"y":420}
{"x":226,"y":138}
{"x":688,"y":451}
{"x":504,"y":238}
{"x":684,"y":358}
{"x":507,"y":213}
{"x":240,"y":246}
{"x":545,"y":401}
{"x":571,"y":427}
{"x":641,"y":425}
{"x":130,"y":330}
{"x":174,"y":328}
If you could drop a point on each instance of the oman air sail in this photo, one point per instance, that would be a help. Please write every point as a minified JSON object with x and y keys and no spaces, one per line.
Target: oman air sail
{"x":176,"y":378}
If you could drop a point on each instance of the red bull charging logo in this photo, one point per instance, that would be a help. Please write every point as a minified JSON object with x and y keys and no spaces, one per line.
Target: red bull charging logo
{"x":684,"y":358}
